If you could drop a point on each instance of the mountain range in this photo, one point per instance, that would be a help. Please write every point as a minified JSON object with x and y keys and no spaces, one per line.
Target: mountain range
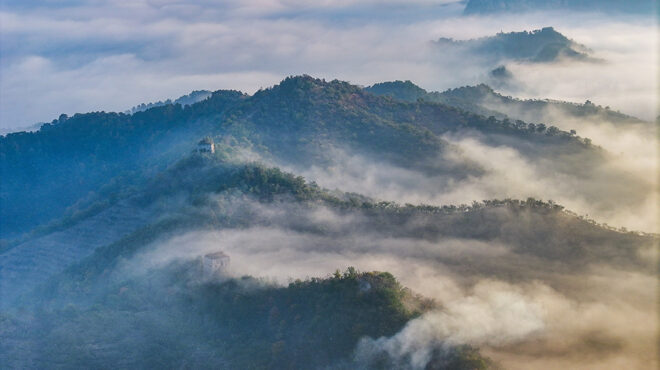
{"x":482,"y":99}
{"x":105,"y":216}
{"x":72,"y":156}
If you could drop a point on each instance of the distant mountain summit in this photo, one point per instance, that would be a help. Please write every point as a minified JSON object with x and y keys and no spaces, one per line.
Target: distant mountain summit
{"x":538,"y":46}
{"x":482,"y":99}
{"x":519,"y":6}
{"x":400,"y":90}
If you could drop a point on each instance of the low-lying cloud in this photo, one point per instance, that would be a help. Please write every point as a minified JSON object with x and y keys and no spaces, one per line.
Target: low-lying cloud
{"x":619,"y":191}
{"x":518,"y":309}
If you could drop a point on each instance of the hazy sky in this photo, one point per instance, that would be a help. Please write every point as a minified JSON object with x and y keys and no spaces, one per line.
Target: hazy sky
{"x":78,"y":56}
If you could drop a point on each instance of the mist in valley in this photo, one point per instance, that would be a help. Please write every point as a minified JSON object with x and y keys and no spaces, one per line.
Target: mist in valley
{"x":516,"y":306}
{"x":363,"y":231}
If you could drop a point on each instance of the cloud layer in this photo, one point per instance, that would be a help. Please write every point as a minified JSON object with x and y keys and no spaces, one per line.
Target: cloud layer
{"x":517,"y":308}
{"x":99,"y":55}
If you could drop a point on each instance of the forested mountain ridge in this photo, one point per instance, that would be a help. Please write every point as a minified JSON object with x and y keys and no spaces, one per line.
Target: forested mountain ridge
{"x":236,"y":323}
{"x":290,"y":122}
{"x":244,"y":322}
{"x":71,"y":156}
{"x":146,"y":277}
{"x":101,"y":164}
{"x":538,"y":46}
{"x":192,"y":98}
{"x":204,"y":192}
{"x":482,"y":99}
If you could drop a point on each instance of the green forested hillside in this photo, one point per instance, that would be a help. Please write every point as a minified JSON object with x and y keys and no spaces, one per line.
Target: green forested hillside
{"x":482,"y":99}
{"x":100,"y":311}
{"x":293,"y":122}
{"x":202,"y":193}
{"x":538,"y":46}
{"x":46,"y":171}
{"x":169,"y":318}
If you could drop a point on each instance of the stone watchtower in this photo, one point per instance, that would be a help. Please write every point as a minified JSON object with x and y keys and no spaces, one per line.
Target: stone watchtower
{"x":214,"y":263}
{"x":205,"y":145}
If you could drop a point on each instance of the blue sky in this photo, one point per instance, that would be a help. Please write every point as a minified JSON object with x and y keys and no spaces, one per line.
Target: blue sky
{"x":78,"y":56}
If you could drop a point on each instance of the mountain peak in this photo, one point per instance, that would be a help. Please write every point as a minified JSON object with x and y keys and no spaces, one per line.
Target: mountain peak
{"x":303,"y":81}
{"x":307,"y":88}
{"x":539,"y":46}
{"x":400,"y":90}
